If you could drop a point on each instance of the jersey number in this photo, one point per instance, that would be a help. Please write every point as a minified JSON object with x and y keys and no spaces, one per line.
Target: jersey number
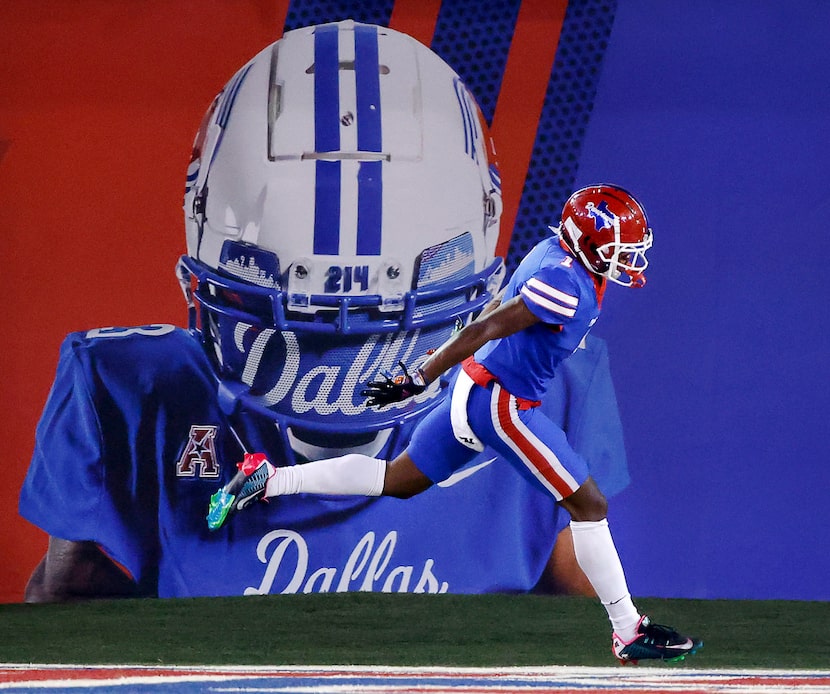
{"x":149,"y":330}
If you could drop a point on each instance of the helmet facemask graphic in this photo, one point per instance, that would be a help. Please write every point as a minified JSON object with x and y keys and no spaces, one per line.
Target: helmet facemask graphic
{"x":342,"y":212}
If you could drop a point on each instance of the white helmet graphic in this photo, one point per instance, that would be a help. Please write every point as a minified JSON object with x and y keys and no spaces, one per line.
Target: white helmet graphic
{"x":342,"y":212}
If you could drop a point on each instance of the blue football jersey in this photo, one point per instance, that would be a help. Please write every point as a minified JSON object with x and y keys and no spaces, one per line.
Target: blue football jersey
{"x":562,"y":294}
{"x":132,"y":442}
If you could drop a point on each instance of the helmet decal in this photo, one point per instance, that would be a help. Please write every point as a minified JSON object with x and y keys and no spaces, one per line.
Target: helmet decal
{"x":249,"y":263}
{"x":199,"y":143}
{"x":206,"y":144}
{"x":471,"y":132}
{"x":603,"y":217}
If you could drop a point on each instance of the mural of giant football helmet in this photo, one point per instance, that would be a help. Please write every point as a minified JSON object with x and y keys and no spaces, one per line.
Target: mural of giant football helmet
{"x":342,"y":211}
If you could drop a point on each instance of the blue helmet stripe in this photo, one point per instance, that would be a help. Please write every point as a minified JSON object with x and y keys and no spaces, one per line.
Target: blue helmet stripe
{"x":369,"y":207}
{"x":326,"y":139}
{"x":229,"y":97}
{"x":369,"y":139}
{"x":223,"y":115}
{"x":463,"y":107}
{"x":367,"y":76}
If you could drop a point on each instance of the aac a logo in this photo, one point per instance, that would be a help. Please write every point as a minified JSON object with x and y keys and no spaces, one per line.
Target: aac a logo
{"x":199,"y":452}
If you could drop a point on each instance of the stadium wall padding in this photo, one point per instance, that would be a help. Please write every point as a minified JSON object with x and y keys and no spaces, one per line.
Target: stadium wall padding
{"x":714,"y":114}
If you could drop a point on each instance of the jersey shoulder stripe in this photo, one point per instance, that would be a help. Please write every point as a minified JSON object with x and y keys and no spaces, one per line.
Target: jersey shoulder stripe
{"x":563,"y":297}
{"x":547,"y":304}
{"x":550,"y":298}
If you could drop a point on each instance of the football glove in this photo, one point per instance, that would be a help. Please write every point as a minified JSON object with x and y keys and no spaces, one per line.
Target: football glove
{"x":391,"y":390}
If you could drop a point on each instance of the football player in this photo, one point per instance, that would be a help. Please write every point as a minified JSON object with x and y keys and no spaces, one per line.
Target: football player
{"x":508,"y":356}
{"x":342,"y":210}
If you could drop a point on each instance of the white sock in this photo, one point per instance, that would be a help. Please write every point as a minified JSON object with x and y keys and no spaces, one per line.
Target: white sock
{"x":351,"y":474}
{"x":597,"y":557}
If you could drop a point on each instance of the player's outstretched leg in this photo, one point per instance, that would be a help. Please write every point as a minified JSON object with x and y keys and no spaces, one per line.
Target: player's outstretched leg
{"x":655,"y":642}
{"x":351,"y":474}
{"x":247,"y":486}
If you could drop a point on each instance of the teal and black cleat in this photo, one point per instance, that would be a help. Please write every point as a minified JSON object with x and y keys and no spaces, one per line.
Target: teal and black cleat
{"x":220,"y":506}
{"x":247,"y":486}
{"x":655,"y":642}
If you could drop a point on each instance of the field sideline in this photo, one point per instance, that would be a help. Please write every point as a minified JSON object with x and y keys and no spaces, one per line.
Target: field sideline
{"x":391,"y":680}
{"x":370,"y":629}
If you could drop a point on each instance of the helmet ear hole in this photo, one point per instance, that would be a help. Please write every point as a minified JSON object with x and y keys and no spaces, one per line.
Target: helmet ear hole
{"x":598,"y":264}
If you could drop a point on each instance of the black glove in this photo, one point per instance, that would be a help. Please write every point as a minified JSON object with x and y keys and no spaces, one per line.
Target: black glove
{"x":390,"y":390}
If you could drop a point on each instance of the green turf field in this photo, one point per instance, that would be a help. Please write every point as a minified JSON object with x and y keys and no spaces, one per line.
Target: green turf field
{"x":374,"y":629}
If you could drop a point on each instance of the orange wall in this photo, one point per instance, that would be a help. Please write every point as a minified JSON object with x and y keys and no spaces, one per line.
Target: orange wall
{"x":99,"y":102}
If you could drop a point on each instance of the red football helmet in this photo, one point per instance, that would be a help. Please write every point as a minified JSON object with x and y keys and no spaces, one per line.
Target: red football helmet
{"x":607,"y":229}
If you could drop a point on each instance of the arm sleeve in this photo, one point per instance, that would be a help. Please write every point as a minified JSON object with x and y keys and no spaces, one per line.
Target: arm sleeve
{"x":72,"y":489}
{"x":62,"y":489}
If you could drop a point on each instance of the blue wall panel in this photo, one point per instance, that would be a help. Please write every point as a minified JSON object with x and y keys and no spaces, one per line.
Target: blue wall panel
{"x":716,"y":114}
